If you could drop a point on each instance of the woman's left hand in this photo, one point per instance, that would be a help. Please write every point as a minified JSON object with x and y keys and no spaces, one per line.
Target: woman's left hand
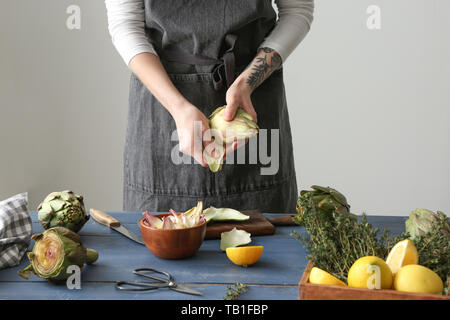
{"x":238,"y":96}
{"x":263,"y":65}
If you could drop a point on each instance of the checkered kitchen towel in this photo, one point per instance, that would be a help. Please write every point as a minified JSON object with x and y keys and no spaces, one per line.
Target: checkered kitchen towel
{"x":15,"y":230}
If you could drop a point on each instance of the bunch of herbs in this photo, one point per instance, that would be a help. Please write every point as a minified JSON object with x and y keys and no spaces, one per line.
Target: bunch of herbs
{"x":334,"y":241}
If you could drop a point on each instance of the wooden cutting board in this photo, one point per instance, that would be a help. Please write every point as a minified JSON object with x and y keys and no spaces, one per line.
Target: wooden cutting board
{"x":257,"y":225}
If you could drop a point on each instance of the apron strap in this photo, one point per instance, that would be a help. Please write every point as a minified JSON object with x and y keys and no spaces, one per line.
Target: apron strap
{"x":224,"y":67}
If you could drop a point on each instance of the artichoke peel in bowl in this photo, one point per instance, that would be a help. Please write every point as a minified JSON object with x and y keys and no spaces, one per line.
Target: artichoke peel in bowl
{"x":54,"y":251}
{"x":242,"y":127}
{"x":63,"y":209}
{"x":191,"y":218}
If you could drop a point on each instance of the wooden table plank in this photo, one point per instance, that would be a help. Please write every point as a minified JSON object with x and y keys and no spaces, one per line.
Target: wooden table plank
{"x":107,"y":291}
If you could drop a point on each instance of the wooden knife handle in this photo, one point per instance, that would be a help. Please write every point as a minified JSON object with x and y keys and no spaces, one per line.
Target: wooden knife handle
{"x":104,"y":218}
{"x":282,"y":221}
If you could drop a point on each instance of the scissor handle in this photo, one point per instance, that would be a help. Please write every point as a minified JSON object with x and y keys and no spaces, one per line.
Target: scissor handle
{"x":143,"y":272}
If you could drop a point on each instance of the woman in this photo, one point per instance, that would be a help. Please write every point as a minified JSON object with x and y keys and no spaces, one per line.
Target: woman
{"x":187,"y":59}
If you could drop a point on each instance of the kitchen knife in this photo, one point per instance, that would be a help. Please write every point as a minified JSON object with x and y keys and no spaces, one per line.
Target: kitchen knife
{"x":113,"y":223}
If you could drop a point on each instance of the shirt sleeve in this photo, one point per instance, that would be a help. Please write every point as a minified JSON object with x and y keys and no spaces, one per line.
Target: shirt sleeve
{"x":126,"y":25}
{"x":294,"y":22}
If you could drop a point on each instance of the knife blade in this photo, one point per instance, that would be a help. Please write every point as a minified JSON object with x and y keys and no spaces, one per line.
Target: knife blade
{"x":113,"y":223}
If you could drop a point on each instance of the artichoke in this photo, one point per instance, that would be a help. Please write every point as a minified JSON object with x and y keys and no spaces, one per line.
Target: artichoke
{"x":63,"y":209}
{"x":421,"y":221}
{"x":324,"y":200}
{"x":240,"y":128}
{"x":54,"y":251}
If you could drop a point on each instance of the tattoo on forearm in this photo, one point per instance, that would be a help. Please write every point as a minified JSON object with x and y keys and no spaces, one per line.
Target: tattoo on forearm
{"x":262,"y":68}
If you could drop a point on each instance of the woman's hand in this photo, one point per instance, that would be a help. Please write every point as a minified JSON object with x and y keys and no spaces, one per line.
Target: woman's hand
{"x":194,"y":135}
{"x":238,"y":96}
{"x":193,"y":132}
{"x":263,"y":65}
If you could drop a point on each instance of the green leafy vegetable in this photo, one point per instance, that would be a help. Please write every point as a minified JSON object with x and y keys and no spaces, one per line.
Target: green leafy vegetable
{"x":421,"y":221}
{"x":63,"y":209}
{"x":54,"y":251}
{"x":324,"y":199}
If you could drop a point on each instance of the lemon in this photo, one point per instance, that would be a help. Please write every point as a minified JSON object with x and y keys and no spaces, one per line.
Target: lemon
{"x":416,"y":278}
{"x":319,"y":276}
{"x":402,"y":254}
{"x":244,"y":256}
{"x":371,"y":273}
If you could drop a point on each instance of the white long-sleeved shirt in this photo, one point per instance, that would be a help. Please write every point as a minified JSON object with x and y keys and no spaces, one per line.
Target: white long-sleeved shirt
{"x":126,"y":25}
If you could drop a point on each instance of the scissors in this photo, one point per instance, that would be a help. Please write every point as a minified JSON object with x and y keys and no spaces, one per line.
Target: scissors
{"x":167,"y":282}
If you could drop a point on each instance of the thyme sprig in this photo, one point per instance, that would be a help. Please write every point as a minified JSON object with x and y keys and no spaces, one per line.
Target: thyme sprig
{"x":234,"y":291}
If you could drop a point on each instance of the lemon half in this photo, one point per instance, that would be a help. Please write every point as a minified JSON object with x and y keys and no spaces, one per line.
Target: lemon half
{"x":244,"y":256}
{"x":402,"y":254}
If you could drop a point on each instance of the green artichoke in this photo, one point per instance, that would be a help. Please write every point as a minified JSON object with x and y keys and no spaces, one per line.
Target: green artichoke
{"x":240,"y":128}
{"x":421,"y":221}
{"x":63,"y":209}
{"x":322,"y":200}
{"x":54,"y":251}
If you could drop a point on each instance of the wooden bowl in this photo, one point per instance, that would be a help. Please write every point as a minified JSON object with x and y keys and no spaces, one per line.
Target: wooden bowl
{"x":172,"y":243}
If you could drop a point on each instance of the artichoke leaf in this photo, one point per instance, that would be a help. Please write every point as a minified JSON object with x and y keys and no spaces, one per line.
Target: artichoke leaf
{"x":224,"y":214}
{"x":234,"y":238}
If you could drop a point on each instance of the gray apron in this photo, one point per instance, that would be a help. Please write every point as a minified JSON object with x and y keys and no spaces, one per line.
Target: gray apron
{"x":203,"y":45}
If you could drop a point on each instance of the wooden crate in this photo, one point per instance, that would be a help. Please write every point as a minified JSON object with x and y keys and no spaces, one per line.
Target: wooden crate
{"x":309,"y":291}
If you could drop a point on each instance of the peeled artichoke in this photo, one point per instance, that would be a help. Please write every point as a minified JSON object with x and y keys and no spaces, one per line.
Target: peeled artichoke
{"x":421,"y":221}
{"x":54,"y":251}
{"x":240,"y":128}
{"x":63,"y":209}
{"x":322,"y":200}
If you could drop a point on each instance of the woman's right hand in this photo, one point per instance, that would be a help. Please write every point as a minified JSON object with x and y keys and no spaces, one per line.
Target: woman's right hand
{"x":193,"y":131}
{"x":195,"y":137}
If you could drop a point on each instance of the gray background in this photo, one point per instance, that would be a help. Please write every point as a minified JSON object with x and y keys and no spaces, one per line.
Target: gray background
{"x":370,"y":110}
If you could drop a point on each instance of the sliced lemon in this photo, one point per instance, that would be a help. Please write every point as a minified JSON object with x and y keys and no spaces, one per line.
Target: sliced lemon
{"x":402,"y":254}
{"x":319,"y":276}
{"x":244,"y":256}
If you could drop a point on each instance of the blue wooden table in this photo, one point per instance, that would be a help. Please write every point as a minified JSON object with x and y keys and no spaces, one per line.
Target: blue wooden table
{"x":274,"y":276}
